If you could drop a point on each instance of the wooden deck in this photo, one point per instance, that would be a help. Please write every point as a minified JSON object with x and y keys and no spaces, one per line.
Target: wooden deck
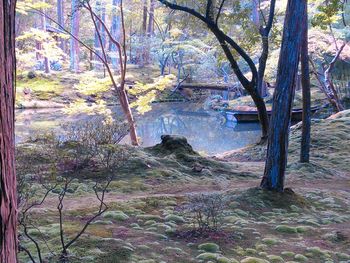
{"x":220,"y":87}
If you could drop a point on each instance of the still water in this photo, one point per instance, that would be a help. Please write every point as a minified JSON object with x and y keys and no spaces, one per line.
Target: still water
{"x":206,"y":131}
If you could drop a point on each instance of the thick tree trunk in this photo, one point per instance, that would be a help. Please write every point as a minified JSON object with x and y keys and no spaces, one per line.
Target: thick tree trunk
{"x":305,"y":83}
{"x":277,"y":149}
{"x":8,"y":193}
{"x":74,"y":44}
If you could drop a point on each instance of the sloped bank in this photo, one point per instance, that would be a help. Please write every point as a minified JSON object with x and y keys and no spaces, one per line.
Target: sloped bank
{"x":330,"y":144}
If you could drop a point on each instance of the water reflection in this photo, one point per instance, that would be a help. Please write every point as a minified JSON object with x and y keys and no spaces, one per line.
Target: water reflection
{"x":206,"y":131}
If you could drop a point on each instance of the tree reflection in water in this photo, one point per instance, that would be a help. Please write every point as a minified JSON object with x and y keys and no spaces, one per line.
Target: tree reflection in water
{"x":206,"y":131}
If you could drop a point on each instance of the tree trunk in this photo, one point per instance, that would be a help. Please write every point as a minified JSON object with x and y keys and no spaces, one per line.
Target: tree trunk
{"x":46,"y":59}
{"x":264,"y":33}
{"x":255,"y":13}
{"x":150,"y":28}
{"x":101,"y":12}
{"x":60,"y":20}
{"x":277,"y":149}
{"x":8,"y":193}
{"x":305,"y":83}
{"x":144,"y":17}
{"x":74,"y":44}
{"x":116,"y":33}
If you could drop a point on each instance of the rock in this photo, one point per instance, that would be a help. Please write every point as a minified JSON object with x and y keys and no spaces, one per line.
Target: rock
{"x":209,"y":247}
{"x":31,"y":75}
{"x":197,"y":167}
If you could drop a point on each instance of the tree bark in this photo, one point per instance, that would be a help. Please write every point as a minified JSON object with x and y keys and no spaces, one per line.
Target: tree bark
{"x":305,"y":84}
{"x":8,"y":193}
{"x":277,"y":149}
{"x":74,"y":44}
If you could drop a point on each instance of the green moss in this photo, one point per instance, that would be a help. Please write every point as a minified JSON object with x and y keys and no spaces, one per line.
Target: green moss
{"x":253,"y":260}
{"x":287,"y":253}
{"x":275,"y":258}
{"x":270,"y":241}
{"x":42,"y":88}
{"x":207,"y":256}
{"x":175,"y":218}
{"x":286,"y":229}
{"x":209,"y":247}
{"x":226,"y":260}
{"x":116,"y":215}
{"x":149,"y":217}
{"x":303,"y":229}
{"x":300,"y":258}
{"x":343,"y":256}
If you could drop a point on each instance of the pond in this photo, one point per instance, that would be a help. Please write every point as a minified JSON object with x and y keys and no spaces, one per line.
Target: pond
{"x":206,"y":131}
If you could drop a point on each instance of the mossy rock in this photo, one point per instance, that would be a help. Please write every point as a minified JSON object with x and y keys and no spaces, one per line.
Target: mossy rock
{"x":172,"y":144}
{"x":253,"y":260}
{"x":209,"y":247}
{"x":286,"y":229}
{"x":116,"y":215}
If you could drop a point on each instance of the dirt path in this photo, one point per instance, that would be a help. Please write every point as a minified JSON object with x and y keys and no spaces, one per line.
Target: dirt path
{"x":181,"y":190}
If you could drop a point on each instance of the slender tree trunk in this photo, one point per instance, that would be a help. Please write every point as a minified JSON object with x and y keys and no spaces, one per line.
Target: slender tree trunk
{"x":144,"y":17}
{"x":74,"y":44}
{"x":8,"y":192}
{"x":60,"y":20}
{"x":264,"y":33}
{"x":101,"y":12}
{"x":116,"y":33}
{"x":277,"y":149}
{"x":305,"y":83}
{"x":255,"y":13}
{"x":150,"y":28}
{"x":145,"y":47}
{"x":46,"y":59}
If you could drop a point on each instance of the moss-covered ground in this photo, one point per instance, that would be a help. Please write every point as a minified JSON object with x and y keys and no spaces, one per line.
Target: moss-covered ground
{"x":146,"y":221}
